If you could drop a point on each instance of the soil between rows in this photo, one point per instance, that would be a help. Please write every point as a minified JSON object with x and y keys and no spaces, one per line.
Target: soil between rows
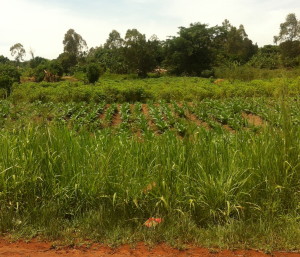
{"x":46,"y":249}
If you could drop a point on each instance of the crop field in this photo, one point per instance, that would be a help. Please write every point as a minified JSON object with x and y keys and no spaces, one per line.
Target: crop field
{"x":219,"y":172}
{"x":234,"y":114}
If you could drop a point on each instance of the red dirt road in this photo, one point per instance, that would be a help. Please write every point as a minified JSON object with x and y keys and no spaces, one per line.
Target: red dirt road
{"x":42,"y":249}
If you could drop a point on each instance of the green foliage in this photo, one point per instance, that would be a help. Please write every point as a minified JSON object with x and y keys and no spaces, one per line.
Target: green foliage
{"x":139,"y":53}
{"x":233,"y":71}
{"x":93,"y":72}
{"x":74,"y":44}
{"x":190,"y":53}
{"x":289,"y":30}
{"x":18,"y":51}
{"x":36,"y":61}
{"x":164,"y":88}
{"x":233,"y":45}
{"x":67,"y":61}
{"x":4,"y":60}
{"x":289,"y":38}
{"x":218,"y":184}
{"x":267,"y":57}
{"x":112,"y":59}
{"x":8,"y":75}
{"x":39,"y":72}
{"x":290,"y":53}
{"x":55,"y":68}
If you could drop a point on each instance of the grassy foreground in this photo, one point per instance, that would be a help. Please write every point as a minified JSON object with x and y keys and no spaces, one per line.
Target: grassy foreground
{"x":211,"y":188}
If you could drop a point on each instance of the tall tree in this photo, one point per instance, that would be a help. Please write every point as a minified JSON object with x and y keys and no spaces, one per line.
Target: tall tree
{"x":18,"y":51}
{"x":234,"y":44}
{"x":192,"y":51}
{"x":139,"y":53}
{"x":114,"y":40}
{"x":75,"y":50}
{"x":289,"y":39}
{"x":74,"y":44}
{"x":289,"y":30}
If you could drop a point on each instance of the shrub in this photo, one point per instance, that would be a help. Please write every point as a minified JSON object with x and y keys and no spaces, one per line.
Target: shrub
{"x":93,"y":72}
{"x":8,"y":75}
{"x":39,"y":73}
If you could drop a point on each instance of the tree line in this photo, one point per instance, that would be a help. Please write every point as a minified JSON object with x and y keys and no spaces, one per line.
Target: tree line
{"x":196,"y":51}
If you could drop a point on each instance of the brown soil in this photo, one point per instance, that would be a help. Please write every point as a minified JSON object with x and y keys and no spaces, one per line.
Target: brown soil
{"x":116,"y":121}
{"x":102,"y":115}
{"x":146,"y":113}
{"x":228,"y":128}
{"x":145,"y":110}
{"x":194,"y":119}
{"x":254,"y":119}
{"x":132,"y":108}
{"x":46,"y":249}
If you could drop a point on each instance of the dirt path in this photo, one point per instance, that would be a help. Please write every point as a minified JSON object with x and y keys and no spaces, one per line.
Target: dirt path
{"x":42,"y":249}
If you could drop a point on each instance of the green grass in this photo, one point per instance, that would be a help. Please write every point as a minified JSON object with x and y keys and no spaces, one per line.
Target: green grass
{"x":212,"y":188}
{"x":66,"y":173}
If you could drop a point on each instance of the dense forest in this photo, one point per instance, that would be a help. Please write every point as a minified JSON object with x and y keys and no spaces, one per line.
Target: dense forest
{"x":197,"y":50}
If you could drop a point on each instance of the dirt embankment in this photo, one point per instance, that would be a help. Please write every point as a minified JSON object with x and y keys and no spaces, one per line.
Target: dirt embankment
{"x":46,"y":249}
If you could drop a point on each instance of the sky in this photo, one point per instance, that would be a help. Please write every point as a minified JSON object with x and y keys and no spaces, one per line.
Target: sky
{"x":40,"y":25}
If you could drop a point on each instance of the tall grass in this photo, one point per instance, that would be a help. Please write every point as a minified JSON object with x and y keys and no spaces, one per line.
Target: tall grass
{"x":54,"y":181}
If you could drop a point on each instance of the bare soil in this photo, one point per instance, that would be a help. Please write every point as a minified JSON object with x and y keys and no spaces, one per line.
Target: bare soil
{"x":228,"y":128}
{"x":116,"y":121}
{"x":254,"y":120}
{"x":146,"y":113}
{"x":102,"y":115}
{"x":194,"y":119}
{"x":46,"y":249}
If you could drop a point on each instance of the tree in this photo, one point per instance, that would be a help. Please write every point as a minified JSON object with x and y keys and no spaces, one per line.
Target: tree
{"x":289,"y":30}
{"x":36,"y":61}
{"x":139,"y":53}
{"x":74,"y":44}
{"x":92,"y":72}
{"x":18,"y":51}
{"x":112,"y":60}
{"x":191,"y":52}
{"x":290,"y":53}
{"x":234,"y":45}
{"x":3,"y":59}
{"x":67,"y":61}
{"x":114,"y":40}
{"x":289,"y":38}
{"x":111,"y":55}
{"x":267,"y":57}
{"x":8,"y":75}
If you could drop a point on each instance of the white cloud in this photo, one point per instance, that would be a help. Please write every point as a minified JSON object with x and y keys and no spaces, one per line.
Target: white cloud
{"x":42,"y":26}
{"x":43,"y":29}
{"x":261,"y":19}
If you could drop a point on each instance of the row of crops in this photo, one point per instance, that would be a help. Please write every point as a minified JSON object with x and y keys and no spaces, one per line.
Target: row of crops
{"x":232,"y":115}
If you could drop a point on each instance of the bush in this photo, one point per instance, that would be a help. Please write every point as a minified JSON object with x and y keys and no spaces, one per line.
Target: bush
{"x":207,"y":73}
{"x":8,"y":75}
{"x":39,"y":72}
{"x":93,"y":72}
